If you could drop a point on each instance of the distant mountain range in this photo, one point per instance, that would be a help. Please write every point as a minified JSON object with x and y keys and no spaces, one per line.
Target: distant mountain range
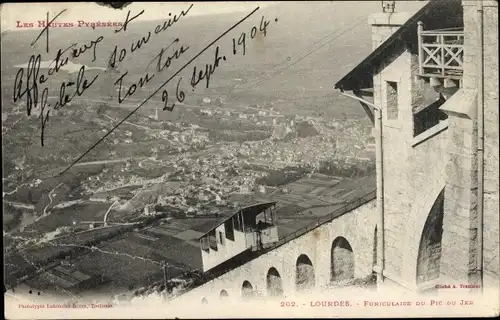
{"x":301,"y":28}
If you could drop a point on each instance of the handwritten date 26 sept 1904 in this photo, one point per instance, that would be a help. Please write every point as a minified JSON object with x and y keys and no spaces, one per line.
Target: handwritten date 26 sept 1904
{"x":239,"y":46}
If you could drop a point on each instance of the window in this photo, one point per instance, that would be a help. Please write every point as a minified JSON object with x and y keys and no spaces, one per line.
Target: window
{"x":237,"y":222}
{"x":221,"y":237}
{"x":427,"y":112}
{"x":428,"y":117}
{"x":212,"y":240}
{"x":228,"y":228}
{"x":392,"y":100}
{"x":205,"y":244}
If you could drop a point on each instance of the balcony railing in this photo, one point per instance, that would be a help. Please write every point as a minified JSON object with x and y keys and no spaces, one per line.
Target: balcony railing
{"x":441,"y":52}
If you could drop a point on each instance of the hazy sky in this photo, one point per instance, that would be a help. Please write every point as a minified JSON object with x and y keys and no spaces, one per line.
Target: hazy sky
{"x":89,"y":11}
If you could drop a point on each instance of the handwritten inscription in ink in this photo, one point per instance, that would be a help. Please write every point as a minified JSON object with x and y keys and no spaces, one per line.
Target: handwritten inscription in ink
{"x":31,"y":84}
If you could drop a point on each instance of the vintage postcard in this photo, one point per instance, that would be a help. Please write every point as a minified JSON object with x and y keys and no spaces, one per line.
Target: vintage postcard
{"x":250,"y":159}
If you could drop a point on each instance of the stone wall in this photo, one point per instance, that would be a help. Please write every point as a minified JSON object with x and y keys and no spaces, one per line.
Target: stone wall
{"x":384,"y":24}
{"x":460,"y":217}
{"x":460,"y":238}
{"x":417,"y":169}
{"x":491,"y":148}
{"x":356,"y":226}
{"x":414,"y":169}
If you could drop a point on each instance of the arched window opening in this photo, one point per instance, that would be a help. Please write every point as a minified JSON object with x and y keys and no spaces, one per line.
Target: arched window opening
{"x":247,"y":289}
{"x":429,"y":252}
{"x":304,"y":278}
{"x":223,"y":294}
{"x":342,"y":260}
{"x":274,"y":283}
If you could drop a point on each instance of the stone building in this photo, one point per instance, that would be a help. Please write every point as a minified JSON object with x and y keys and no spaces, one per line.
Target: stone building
{"x":431,"y":88}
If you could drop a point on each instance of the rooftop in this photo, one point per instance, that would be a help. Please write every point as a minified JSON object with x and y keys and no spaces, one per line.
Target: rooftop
{"x":436,"y":14}
{"x":252,"y":210}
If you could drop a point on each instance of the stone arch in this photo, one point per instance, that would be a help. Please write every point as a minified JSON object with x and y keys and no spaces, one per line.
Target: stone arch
{"x":413,"y":233}
{"x":274,"y":283}
{"x":204,"y":300}
{"x":247,"y":289}
{"x":223,"y":294}
{"x":342,"y":260}
{"x":429,"y":251}
{"x":304,"y":275}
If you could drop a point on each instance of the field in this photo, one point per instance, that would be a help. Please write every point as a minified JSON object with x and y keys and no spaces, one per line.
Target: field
{"x":87,"y":211}
{"x":311,"y":198}
{"x":42,"y":255}
{"x":123,"y":193}
{"x":139,"y":260}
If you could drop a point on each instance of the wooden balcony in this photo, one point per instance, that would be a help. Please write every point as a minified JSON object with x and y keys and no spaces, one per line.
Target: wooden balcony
{"x":441,"y":53}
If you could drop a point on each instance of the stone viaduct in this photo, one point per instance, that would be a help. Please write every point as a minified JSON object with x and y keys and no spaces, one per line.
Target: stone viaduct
{"x":336,"y":251}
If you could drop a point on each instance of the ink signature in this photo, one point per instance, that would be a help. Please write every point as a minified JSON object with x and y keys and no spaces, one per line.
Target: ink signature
{"x":31,"y":90}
